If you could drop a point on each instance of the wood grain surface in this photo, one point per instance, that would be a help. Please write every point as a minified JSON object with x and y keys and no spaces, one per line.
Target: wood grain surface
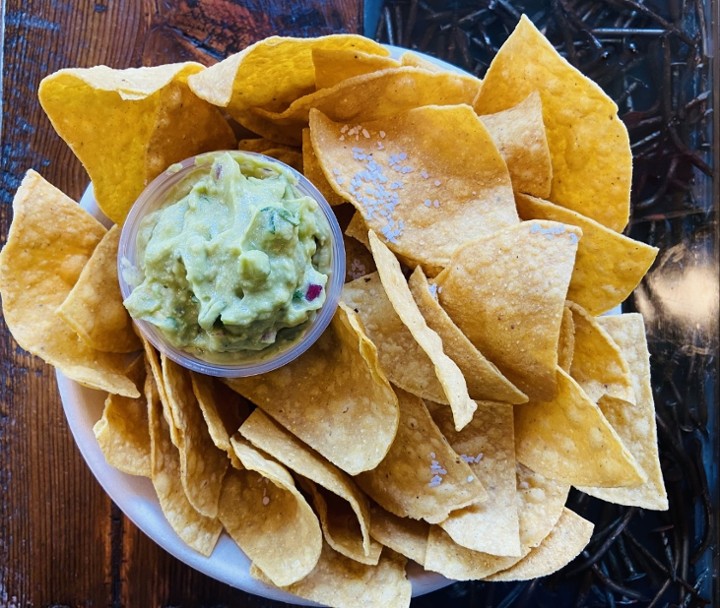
{"x":62,"y":541}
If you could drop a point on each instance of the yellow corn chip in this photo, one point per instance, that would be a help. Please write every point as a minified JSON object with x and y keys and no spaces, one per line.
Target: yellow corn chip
{"x":313,"y":171}
{"x":406,"y":536}
{"x":540,"y":504}
{"x":566,"y":345}
{"x":332,"y":66}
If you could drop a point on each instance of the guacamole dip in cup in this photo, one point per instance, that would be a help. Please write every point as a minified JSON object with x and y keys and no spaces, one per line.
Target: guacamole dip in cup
{"x":231,"y":263}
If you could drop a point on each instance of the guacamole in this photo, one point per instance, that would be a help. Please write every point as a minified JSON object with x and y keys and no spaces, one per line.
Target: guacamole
{"x":236,"y":261}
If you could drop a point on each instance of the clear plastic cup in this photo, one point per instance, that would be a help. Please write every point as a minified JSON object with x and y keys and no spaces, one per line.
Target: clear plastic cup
{"x":178,"y":179}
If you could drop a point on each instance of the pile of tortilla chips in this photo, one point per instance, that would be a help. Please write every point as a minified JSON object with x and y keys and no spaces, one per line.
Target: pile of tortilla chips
{"x":467,"y":380}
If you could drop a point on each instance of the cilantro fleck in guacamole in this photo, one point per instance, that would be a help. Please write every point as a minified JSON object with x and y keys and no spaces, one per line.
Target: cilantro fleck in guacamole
{"x":237,"y":260}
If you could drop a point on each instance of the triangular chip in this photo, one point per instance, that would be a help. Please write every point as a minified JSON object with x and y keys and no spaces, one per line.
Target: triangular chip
{"x":406,"y":536}
{"x":589,"y":144}
{"x":335,"y":65}
{"x":50,"y":240}
{"x":564,"y":437}
{"x":506,"y":292}
{"x":635,"y":423}
{"x":334,"y":397}
{"x":421,"y":477}
{"x":540,"y":503}
{"x":313,"y":171}
{"x":608,"y":265}
{"x":566,"y":344}
{"x":123,"y":125}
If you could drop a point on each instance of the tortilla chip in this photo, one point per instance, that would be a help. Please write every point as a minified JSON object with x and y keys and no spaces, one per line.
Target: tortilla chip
{"x":269,"y":518}
{"x":50,"y":240}
{"x":447,"y":372}
{"x":198,"y":531}
{"x":519,"y":134}
{"x":540,"y":503}
{"x":94,"y":308}
{"x":402,"y":359}
{"x":487,"y":444}
{"x":506,"y":292}
{"x":635,"y":423}
{"x":589,"y":144}
{"x":313,"y":171}
{"x":358,"y":229}
{"x":566,"y":344}
{"x":202,"y":465}
{"x":598,"y":365}
{"x":421,"y":477}
{"x":332,"y":66}
{"x":285,"y":154}
{"x":336,"y":384}
{"x":340,"y":582}
{"x":122,"y":432}
{"x":123,"y":125}
{"x":268,"y":436}
{"x":569,"y":537}
{"x":414,"y":183}
{"x":418,"y":61}
{"x":562,"y":439}
{"x":406,"y":536}
{"x":484,"y":380}
{"x":358,"y":259}
{"x":272,"y":72}
{"x":608,"y":265}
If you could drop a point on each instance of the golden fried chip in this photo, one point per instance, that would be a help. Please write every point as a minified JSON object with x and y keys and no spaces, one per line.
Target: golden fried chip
{"x":540,"y":503}
{"x":336,"y":384}
{"x":202,"y":464}
{"x":123,"y":125}
{"x":358,"y":229}
{"x":94,"y":308}
{"x":608,"y":265}
{"x":358,"y":259}
{"x":285,"y":154}
{"x":122,"y":432}
{"x":406,"y":536}
{"x":340,"y":582}
{"x":421,"y":477}
{"x":598,"y":365}
{"x":566,"y":344}
{"x":487,"y":444}
{"x":506,"y":292}
{"x":313,"y":171}
{"x":287,"y":449}
{"x":567,"y":539}
{"x":414,"y":183}
{"x":50,"y":240}
{"x":402,"y":359}
{"x":519,"y":134}
{"x":268,"y":517}
{"x":635,"y":423}
{"x":562,"y":439}
{"x":271,"y":73}
{"x":484,"y":380}
{"x":418,"y":61}
{"x":332,"y":66}
{"x":589,"y":144}
{"x":198,"y":531}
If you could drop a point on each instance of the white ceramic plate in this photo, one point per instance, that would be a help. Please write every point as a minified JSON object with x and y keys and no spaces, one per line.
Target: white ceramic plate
{"x":135,"y":496}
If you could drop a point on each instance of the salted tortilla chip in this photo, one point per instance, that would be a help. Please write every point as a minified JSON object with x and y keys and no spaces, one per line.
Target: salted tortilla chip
{"x":506,"y":292}
{"x":635,"y":423}
{"x":358,"y":259}
{"x":122,"y":432}
{"x":589,"y":144}
{"x":313,"y":171}
{"x":272,"y":72}
{"x":566,"y":343}
{"x":421,"y":477}
{"x":403,"y":535}
{"x":198,"y":531}
{"x":94,"y":308}
{"x":358,"y":229}
{"x":563,"y":437}
{"x":402,"y":359}
{"x":268,"y":436}
{"x":484,"y":380}
{"x":332,"y":66}
{"x":123,"y":125}
{"x":446,"y":370}
{"x":340,"y":582}
{"x":598,"y":365}
{"x":540,"y":503}
{"x":487,"y":444}
{"x":519,"y":134}
{"x":337,"y":384}
{"x":420,"y":191}
{"x":608,"y":265}
{"x":50,"y":240}
{"x":268,"y":517}
{"x":569,"y":537}
{"x":202,"y":464}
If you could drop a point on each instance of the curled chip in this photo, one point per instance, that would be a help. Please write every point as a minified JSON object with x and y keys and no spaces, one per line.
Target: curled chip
{"x":589,"y":144}
{"x":426,"y":181}
{"x":123,"y":125}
